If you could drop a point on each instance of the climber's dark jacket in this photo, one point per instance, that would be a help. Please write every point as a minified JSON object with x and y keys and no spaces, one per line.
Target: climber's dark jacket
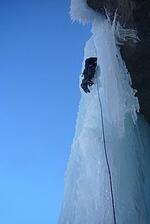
{"x":88,"y":73}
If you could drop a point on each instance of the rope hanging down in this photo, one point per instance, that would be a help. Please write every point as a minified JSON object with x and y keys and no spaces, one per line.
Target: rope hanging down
{"x":106,"y":153}
{"x":137,"y":130}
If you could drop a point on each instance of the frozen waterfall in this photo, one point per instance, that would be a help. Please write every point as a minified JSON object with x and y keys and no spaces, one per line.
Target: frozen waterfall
{"x":87,"y":197}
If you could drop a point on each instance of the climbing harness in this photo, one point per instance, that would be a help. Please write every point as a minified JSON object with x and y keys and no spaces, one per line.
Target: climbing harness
{"x":106,"y":154}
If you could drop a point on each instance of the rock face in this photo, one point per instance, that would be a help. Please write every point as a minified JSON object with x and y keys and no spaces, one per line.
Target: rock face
{"x":133,"y":14}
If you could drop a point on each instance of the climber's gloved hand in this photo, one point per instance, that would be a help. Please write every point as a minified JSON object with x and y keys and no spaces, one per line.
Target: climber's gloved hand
{"x":90,"y":83}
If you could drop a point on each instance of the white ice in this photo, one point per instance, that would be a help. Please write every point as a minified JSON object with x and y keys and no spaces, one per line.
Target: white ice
{"x":87,"y":198}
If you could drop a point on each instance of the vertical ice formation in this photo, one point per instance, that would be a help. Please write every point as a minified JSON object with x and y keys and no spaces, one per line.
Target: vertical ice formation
{"x":87,"y":198}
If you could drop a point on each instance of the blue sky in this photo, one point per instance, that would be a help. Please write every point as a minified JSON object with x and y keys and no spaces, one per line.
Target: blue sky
{"x":40,"y":59}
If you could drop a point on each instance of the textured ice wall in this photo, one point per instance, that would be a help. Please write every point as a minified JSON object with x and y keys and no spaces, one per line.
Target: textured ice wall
{"x":87,"y":196}
{"x":116,"y":92}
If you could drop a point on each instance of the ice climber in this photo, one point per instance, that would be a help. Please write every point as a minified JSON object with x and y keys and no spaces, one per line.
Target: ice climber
{"x":88,"y":73}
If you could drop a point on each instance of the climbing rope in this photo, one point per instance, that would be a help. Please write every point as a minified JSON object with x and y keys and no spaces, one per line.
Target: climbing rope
{"x":139,"y":136}
{"x":106,"y":154}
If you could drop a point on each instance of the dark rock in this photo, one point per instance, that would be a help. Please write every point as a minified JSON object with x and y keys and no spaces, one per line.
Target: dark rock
{"x":96,"y":5}
{"x":133,"y":14}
